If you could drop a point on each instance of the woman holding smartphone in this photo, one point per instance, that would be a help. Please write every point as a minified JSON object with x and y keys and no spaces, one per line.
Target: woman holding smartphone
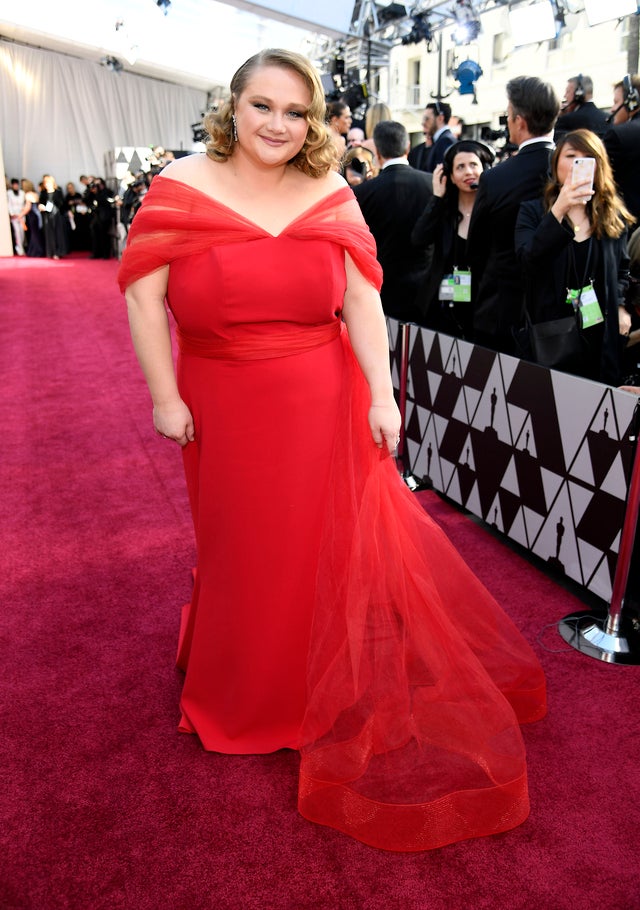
{"x":572,"y":244}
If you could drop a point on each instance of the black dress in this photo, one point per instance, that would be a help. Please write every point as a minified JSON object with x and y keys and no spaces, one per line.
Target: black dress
{"x":438,"y":226}
{"x":53,"y":223}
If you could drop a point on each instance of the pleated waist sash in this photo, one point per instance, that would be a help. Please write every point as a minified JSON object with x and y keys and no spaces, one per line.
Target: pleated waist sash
{"x":260,"y":347}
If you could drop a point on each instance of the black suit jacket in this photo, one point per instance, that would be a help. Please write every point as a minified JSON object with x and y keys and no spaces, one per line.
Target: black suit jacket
{"x":497,"y":284}
{"x":391,"y":204}
{"x":418,"y":156}
{"x":437,"y":150}
{"x":623,"y":147}
{"x":585,"y":117}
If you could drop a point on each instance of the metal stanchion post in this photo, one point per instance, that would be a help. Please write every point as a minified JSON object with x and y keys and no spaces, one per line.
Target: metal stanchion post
{"x":614,"y":638}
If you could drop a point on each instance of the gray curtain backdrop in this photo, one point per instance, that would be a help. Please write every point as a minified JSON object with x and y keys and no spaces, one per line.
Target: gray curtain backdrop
{"x":60,"y":114}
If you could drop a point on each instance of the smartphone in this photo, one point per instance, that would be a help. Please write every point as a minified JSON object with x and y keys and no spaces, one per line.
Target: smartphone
{"x":583,"y":170}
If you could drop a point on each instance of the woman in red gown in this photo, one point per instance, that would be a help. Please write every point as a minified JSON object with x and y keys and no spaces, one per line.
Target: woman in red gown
{"x":329,"y":614}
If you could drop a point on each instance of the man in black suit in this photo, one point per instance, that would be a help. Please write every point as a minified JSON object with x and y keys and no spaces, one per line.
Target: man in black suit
{"x":622,"y":141}
{"x":419,"y":153}
{"x":497,"y":289}
{"x":427,"y":155}
{"x":577,"y":111}
{"x":391,"y":204}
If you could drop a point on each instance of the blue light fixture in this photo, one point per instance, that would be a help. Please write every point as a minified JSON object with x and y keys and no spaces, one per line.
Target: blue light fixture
{"x":467,"y":74}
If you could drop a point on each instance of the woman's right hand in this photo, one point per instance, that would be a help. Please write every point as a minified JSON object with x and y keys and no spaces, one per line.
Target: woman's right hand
{"x":439,"y":181}
{"x":570,"y":196}
{"x":174,"y":421}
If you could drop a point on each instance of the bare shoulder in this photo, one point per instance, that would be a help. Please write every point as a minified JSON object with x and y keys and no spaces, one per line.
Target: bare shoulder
{"x":191,"y":169}
{"x":316,"y":188}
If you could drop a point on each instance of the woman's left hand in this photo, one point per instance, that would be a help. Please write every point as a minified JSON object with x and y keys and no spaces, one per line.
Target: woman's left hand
{"x":624,"y":321}
{"x":384,"y":421}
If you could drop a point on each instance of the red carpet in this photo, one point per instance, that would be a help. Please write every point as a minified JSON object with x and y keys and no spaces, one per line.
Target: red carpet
{"x":103,"y":805}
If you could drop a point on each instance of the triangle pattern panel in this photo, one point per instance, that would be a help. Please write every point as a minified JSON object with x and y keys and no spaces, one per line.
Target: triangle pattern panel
{"x":533,"y":522}
{"x":510,"y":479}
{"x":530,"y":480}
{"x":601,"y":520}
{"x":473,"y":500}
{"x":454,"y":491}
{"x":509,"y":507}
{"x":615,"y":482}
{"x":472,"y":398}
{"x":596,"y":568}
{"x":418,"y":385}
{"x":551,"y":483}
{"x":581,"y":466}
{"x":518,"y":530}
{"x":543,"y":456}
{"x":494,"y":514}
{"x":576,"y":412}
{"x":520,"y":423}
{"x":555,"y":541}
{"x":580,"y":500}
{"x":603,"y":451}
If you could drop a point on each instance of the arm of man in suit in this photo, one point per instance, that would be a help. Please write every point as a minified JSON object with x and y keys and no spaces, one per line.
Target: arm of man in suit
{"x":613,"y":145}
{"x":478,"y":242}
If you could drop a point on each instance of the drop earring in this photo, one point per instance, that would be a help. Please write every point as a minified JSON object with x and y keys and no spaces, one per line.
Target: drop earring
{"x":235,"y":127}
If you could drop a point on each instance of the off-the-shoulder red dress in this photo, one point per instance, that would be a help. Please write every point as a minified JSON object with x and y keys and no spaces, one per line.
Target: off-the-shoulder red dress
{"x":329,"y":613}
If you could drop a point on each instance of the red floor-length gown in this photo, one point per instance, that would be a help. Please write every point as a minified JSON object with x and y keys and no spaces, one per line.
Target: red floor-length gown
{"x":329,"y":613}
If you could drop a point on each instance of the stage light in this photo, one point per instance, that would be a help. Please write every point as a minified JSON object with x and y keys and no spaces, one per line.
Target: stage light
{"x":466,"y":31}
{"x":391,"y":13}
{"x":532,"y":23}
{"x":111,"y":63}
{"x":598,"y":11}
{"x":467,"y":74}
{"x":420,"y":30}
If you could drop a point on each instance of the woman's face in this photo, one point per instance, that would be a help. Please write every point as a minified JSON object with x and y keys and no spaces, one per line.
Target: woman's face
{"x":271,"y":116}
{"x":342,"y":124}
{"x":466,"y":171}
{"x":567,"y":156}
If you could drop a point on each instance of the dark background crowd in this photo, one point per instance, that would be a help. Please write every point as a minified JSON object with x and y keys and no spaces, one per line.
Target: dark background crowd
{"x":491,"y":240}
{"x":94,"y":217}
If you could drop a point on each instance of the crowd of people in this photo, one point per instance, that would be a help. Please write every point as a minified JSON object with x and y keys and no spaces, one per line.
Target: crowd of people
{"x":45,"y":221}
{"x":504,"y":240}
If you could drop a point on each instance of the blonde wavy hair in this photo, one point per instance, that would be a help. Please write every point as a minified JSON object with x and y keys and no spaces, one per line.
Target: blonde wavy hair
{"x":608,"y":215}
{"x":318,"y":155}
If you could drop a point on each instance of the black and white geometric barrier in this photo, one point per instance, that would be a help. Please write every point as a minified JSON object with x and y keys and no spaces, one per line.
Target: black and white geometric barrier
{"x":541,"y":456}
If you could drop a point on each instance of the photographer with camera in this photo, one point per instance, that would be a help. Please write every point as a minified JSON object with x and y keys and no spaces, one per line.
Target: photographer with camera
{"x":100,"y":207}
{"x":132,"y":199}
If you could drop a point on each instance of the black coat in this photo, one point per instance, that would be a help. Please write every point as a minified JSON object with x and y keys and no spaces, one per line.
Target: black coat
{"x":418,"y":156}
{"x":437,"y":150}
{"x":623,"y":147}
{"x":497,"y":286}
{"x":585,"y":117}
{"x":391,"y":204}
{"x":437,"y":228}
{"x":543,"y":250}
